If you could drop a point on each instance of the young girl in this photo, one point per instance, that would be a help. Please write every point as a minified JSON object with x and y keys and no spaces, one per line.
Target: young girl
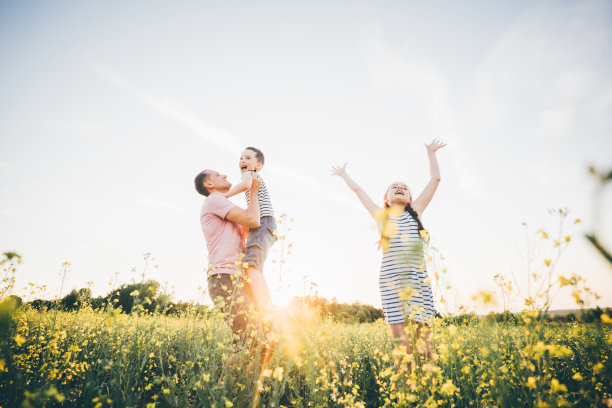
{"x":404,"y":287}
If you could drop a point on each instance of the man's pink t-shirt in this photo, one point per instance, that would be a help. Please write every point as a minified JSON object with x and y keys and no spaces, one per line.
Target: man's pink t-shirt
{"x":224,"y":238}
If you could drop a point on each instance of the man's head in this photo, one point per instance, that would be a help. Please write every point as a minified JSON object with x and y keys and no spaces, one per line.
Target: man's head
{"x":251,"y":159}
{"x":210,"y":181}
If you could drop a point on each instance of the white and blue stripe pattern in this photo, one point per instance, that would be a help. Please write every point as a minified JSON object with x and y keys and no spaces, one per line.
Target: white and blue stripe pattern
{"x":265,"y":203}
{"x":403,"y":270}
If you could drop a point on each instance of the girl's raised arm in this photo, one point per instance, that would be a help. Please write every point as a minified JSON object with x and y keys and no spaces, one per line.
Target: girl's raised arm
{"x":425,"y":197}
{"x":365,"y":199}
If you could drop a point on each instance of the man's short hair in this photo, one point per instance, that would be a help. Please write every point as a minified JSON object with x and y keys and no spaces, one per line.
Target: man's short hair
{"x":258,"y":154}
{"x":199,"y":183}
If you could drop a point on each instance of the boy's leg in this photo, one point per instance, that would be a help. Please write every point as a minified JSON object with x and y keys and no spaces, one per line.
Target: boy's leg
{"x":257,"y":247}
{"x":259,"y":288}
{"x":261,"y":296}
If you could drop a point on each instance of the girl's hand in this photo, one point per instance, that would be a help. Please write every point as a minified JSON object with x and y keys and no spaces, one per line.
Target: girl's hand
{"x":339,"y":171}
{"x":434,"y":145}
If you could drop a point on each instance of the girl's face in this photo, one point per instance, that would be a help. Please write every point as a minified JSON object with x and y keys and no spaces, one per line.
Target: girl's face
{"x":248,"y":161}
{"x":398,"y":194}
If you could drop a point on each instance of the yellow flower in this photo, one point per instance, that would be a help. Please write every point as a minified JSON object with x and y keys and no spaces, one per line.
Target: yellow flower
{"x":531,"y":382}
{"x":2,"y":365}
{"x":151,"y":405}
{"x":389,"y":230}
{"x":151,"y":355}
{"x":408,"y":293}
{"x":448,"y":388}
{"x":267,"y":372}
{"x":597,"y":368}
{"x":563,"y":281}
{"x":577,"y":377}
{"x":165,"y":390}
{"x":19,"y":339}
{"x":486,"y":297}
{"x":278,"y":373}
{"x":606,"y":319}
{"x":556,"y":387}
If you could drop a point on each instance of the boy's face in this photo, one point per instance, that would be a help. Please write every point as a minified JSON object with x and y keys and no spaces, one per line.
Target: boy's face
{"x":248,"y":161}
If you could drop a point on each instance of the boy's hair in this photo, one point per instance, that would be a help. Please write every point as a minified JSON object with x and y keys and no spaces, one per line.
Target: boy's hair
{"x":199,"y":183}
{"x":258,"y":154}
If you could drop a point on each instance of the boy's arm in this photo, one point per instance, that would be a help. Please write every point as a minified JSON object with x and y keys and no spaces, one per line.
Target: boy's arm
{"x":244,"y":185}
{"x":365,"y":199}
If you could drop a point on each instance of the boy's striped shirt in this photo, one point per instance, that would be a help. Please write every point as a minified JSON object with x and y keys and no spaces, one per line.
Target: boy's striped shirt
{"x":265,"y":204}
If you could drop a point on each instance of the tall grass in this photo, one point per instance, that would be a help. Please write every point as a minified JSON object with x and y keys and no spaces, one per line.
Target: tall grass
{"x":89,"y":358}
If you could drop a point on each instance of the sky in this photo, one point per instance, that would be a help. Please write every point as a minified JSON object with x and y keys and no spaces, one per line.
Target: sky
{"x":108,"y":110}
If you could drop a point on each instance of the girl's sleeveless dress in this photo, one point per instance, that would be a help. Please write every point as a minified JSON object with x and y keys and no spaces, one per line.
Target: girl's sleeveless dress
{"x":403,"y":273}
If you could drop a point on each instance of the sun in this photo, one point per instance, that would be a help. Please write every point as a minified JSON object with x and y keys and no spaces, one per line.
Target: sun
{"x":282,"y":295}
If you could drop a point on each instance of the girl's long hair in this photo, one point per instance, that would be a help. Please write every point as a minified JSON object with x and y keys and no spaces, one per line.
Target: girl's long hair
{"x":412,"y":212}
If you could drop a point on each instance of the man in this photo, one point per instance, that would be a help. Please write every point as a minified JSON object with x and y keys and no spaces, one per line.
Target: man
{"x":224,"y":226}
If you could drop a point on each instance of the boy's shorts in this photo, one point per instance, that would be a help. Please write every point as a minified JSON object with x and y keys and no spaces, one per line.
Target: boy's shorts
{"x":259,"y":242}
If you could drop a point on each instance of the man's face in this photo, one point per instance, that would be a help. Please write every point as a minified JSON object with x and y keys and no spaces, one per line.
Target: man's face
{"x":217,"y":182}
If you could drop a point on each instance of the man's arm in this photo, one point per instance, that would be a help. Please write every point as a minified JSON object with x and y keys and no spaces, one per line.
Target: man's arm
{"x":249,"y":217}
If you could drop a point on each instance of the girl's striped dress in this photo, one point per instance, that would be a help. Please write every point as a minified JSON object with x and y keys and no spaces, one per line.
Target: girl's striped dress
{"x":404,"y":286}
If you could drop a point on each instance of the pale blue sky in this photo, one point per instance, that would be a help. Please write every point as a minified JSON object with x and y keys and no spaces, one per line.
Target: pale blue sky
{"x":109,"y":109}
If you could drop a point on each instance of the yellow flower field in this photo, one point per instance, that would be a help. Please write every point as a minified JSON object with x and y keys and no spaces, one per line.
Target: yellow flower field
{"x":102,"y":359}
